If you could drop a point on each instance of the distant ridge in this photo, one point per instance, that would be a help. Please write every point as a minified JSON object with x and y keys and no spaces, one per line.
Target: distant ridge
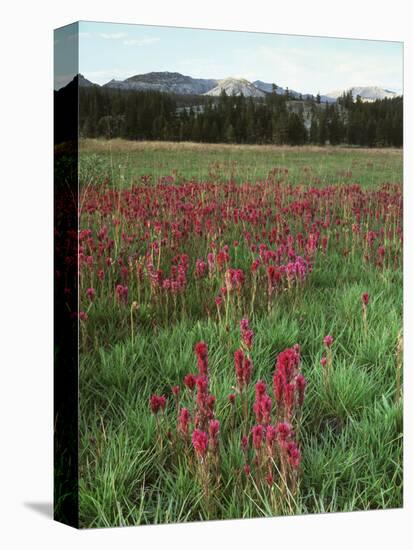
{"x":173,"y":82}
{"x":84,"y":82}
{"x":164,"y":82}
{"x":268,"y":88}
{"x":366,"y":93}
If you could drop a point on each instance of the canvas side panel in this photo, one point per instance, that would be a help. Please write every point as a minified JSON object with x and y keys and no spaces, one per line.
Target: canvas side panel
{"x":66,"y":322}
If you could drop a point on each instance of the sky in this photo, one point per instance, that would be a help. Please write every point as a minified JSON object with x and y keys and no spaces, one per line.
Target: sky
{"x":305,"y":64}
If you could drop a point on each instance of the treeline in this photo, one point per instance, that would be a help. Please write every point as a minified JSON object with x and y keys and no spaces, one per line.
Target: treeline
{"x":278,"y":119}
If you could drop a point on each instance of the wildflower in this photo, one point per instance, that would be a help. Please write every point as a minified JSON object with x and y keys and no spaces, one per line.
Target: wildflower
{"x":247,"y":338}
{"x":83,"y":316}
{"x":265,"y":405}
{"x":243,"y":369}
{"x":231,"y":398}
{"x":247,"y":469}
{"x":269,"y":479}
{"x":189,"y":381}
{"x":257,"y":411}
{"x":323,"y":361}
{"x":183,"y":421}
{"x":122,"y":293}
{"x":293,"y":454}
{"x":247,"y":334}
{"x":222,"y":258}
{"x":278,"y":387}
{"x":201,"y":351}
{"x":200,"y":269}
{"x":287,"y":363}
{"x":211,"y":262}
{"x":255,"y":265}
{"x":365,"y":298}
{"x":244,"y":325}
{"x":270,"y":435}
{"x":260,"y":389}
{"x":202,"y":388}
{"x":257,"y":436}
{"x":301,"y":384}
{"x":200,"y":442}
{"x":328,"y":341}
{"x":90,"y":293}
{"x":157,"y":403}
{"x":213,"y":434}
{"x":284,"y":431}
{"x":210,"y":403}
{"x":289,"y":397}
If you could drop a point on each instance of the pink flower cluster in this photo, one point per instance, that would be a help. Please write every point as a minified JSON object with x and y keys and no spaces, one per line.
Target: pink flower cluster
{"x":243,"y":369}
{"x":275,"y":450}
{"x":247,"y":335}
{"x":288,"y":383}
{"x":157,"y":403}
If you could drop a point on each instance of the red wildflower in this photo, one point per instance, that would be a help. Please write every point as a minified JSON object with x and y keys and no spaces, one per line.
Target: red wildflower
{"x":210,"y":403}
{"x":247,"y":338}
{"x":90,"y":293}
{"x":257,"y":436}
{"x":200,"y":442}
{"x":328,"y":341}
{"x":289,"y":397}
{"x":201,"y":351}
{"x":271,"y":433}
{"x":260,"y":389}
{"x":200,"y":269}
{"x":83,"y":316}
{"x":243,"y":368}
{"x":265,"y":404}
{"x":218,"y":301}
{"x":213,"y":433}
{"x":284,"y":431}
{"x":301,"y":384}
{"x":189,"y":381}
{"x":157,"y":403}
{"x":293,"y":454}
{"x":122,"y":293}
{"x":183,"y":421}
{"x":269,"y":479}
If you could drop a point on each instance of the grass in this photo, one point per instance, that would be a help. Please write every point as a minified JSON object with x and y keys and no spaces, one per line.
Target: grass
{"x":351,"y":435}
{"x":124,"y":162}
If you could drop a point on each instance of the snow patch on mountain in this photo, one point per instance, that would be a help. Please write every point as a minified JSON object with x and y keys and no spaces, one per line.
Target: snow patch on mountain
{"x":236,"y":86}
{"x":367,"y":93}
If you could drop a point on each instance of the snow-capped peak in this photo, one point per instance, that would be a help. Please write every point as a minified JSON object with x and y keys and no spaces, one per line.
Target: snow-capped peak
{"x":367,"y":93}
{"x":235,"y":86}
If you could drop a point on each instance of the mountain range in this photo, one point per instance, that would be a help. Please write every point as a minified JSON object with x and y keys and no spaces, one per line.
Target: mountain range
{"x":367,"y":93}
{"x":165,"y":82}
{"x":177,"y":83}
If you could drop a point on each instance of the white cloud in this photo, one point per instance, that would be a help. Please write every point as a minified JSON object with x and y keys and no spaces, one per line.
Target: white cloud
{"x":141,"y":41}
{"x":306,"y":70}
{"x":113,"y":35}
